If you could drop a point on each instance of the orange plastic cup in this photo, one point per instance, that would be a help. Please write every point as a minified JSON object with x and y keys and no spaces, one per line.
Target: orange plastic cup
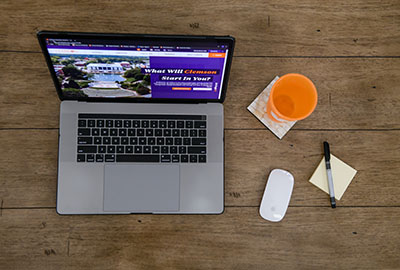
{"x":293,"y":97}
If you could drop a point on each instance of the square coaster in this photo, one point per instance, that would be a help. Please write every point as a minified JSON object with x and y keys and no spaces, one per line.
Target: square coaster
{"x":258,"y":109}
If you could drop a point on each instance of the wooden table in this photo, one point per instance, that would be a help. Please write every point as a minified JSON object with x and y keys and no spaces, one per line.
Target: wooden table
{"x":350,"y":49}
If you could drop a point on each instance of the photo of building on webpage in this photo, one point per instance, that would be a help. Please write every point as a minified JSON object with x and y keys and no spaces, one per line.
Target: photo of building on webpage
{"x":102,"y":72}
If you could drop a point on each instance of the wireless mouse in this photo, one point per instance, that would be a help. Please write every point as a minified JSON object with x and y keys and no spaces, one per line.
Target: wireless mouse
{"x":277,"y":195}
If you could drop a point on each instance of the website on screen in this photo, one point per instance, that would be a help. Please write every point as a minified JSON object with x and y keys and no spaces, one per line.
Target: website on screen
{"x":137,"y":71}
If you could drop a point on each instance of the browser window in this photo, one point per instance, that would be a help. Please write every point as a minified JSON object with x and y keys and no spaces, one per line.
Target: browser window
{"x":104,"y":69}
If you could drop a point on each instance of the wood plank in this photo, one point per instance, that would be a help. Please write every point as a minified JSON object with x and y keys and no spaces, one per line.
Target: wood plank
{"x":353,"y":93}
{"x":308,"y":238}
{"x":261,"y":28}
{"x":28,"y":166}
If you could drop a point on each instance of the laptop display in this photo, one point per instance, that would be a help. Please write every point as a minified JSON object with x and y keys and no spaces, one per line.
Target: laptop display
{"x":105,"y":68}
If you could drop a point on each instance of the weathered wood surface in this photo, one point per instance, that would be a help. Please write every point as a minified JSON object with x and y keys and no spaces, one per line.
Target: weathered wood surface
{"x":282,"y":28}
{"x":352,"y":93}
{"x":309,"y":238}
{"x":28,"y":166}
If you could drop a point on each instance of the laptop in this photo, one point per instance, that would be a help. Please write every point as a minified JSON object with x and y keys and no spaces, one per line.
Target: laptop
{"x":141,"y":121}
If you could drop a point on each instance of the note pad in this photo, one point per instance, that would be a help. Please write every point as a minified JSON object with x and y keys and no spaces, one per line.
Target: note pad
{"x":342,"y":175}
{"x":258,"y":109}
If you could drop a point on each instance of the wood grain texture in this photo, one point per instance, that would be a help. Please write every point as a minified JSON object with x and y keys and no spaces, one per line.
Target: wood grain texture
{"x":312,"y":27}
{"x":28,"y":166}
{"x":352,"y":93}
{"x":309,"y":238}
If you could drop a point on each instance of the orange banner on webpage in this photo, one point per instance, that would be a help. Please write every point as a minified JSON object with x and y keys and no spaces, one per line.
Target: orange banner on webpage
{"x":182,"y":88}
{"x":216,"y":55}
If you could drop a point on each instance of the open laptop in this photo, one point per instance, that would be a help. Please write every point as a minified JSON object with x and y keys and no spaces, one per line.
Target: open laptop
{"x":141,"y":121}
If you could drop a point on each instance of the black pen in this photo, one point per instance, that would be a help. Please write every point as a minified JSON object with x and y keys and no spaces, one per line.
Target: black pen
{"x":329,"y":173}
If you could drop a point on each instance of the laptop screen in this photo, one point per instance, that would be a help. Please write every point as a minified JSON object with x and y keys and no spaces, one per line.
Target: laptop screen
{"x":124,"y":68}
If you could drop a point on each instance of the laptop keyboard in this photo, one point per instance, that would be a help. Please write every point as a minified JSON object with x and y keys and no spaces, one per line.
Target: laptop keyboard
{"x":142,"y":138}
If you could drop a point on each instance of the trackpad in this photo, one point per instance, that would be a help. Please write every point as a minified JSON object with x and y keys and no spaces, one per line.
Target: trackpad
{"x":141,"y":188}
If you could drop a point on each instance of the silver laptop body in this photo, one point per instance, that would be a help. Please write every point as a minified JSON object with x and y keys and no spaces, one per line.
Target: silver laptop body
{"x":136,"y":176}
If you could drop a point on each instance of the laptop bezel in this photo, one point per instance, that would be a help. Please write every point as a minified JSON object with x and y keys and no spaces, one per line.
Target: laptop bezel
{"x":42,"y":35}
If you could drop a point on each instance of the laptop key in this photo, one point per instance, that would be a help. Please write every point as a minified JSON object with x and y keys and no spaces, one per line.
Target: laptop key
{"x":136,"y":123}
{"x":149,"y":132}
{"x":99,"y":158}
{"x":138,"y":158}
{"x":173,"y":149}
{"x":155,"y":149}
{"x":199,"y":141}
{"x":193,"y":133}
{"x":120,"y":149}
{"x":100,"y":123}
{"x":81,"y":123}
{"x":87,"y":149}
{"x":158,"y":132}
{"x":171,"y":124}
{"x":154,"y":124}
{"x":189,"y":124}
{"x":175,"y":132}
{"x":142,"y":141}
{"x":167,"y":132}
{"x":133,"y":141}
{"x":197,"y":150}
{"x":127,"y":123}
{"x":80,"y":158}
{"x":110,"y":149}
{"x":85,"y":140}
{"x":200,"y":124}
{"x":106,"y":140}
{"x":113,"y":132}
{"x":91,"y":123}
{"x":160,"y":141}
{"x":104,"y":132}
{"x":138,"y":149}
{"x":182,"y":149}
{"x":145,"y":123}
{"x":128,"y":149}
{"x":102,"y":149}
{"x":95,"y":132}
{"x":164,"y":149}
{"x":202,"y":133}
{"x":184,"y":158}
{"x":151,"y":141}
{"x":184,"y":132}
{"x":175,"y":158}
{"x":140,"y":132}
{"x":163,"y":124}
{"x":186,"y":141}
{"x":110,"y":158}
{"x":122,"y":132}
{"x":109,"y":123}
{"x":90,"y":158}
{"x":146,"y":149}
{"x":83,"y":131}
{"x":178,"y":141}
{"x":202,"y":158}
{"x":180,"y":124}
{"x":125,"y":140}
{"x":193,"y":158}
{"x":131,"y":132}
{"x":165,"y":158}
{"x":97,"y":140}
{"x":118,"y":123}
{"x":169,"y":141}
{"x":115,"y":140}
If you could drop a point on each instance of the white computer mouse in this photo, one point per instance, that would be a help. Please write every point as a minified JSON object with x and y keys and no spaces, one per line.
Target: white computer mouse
{"x":277,"y":195}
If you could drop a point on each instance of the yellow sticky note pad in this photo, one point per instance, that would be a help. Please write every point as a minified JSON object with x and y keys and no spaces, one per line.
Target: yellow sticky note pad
{"x":342,"y":175}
